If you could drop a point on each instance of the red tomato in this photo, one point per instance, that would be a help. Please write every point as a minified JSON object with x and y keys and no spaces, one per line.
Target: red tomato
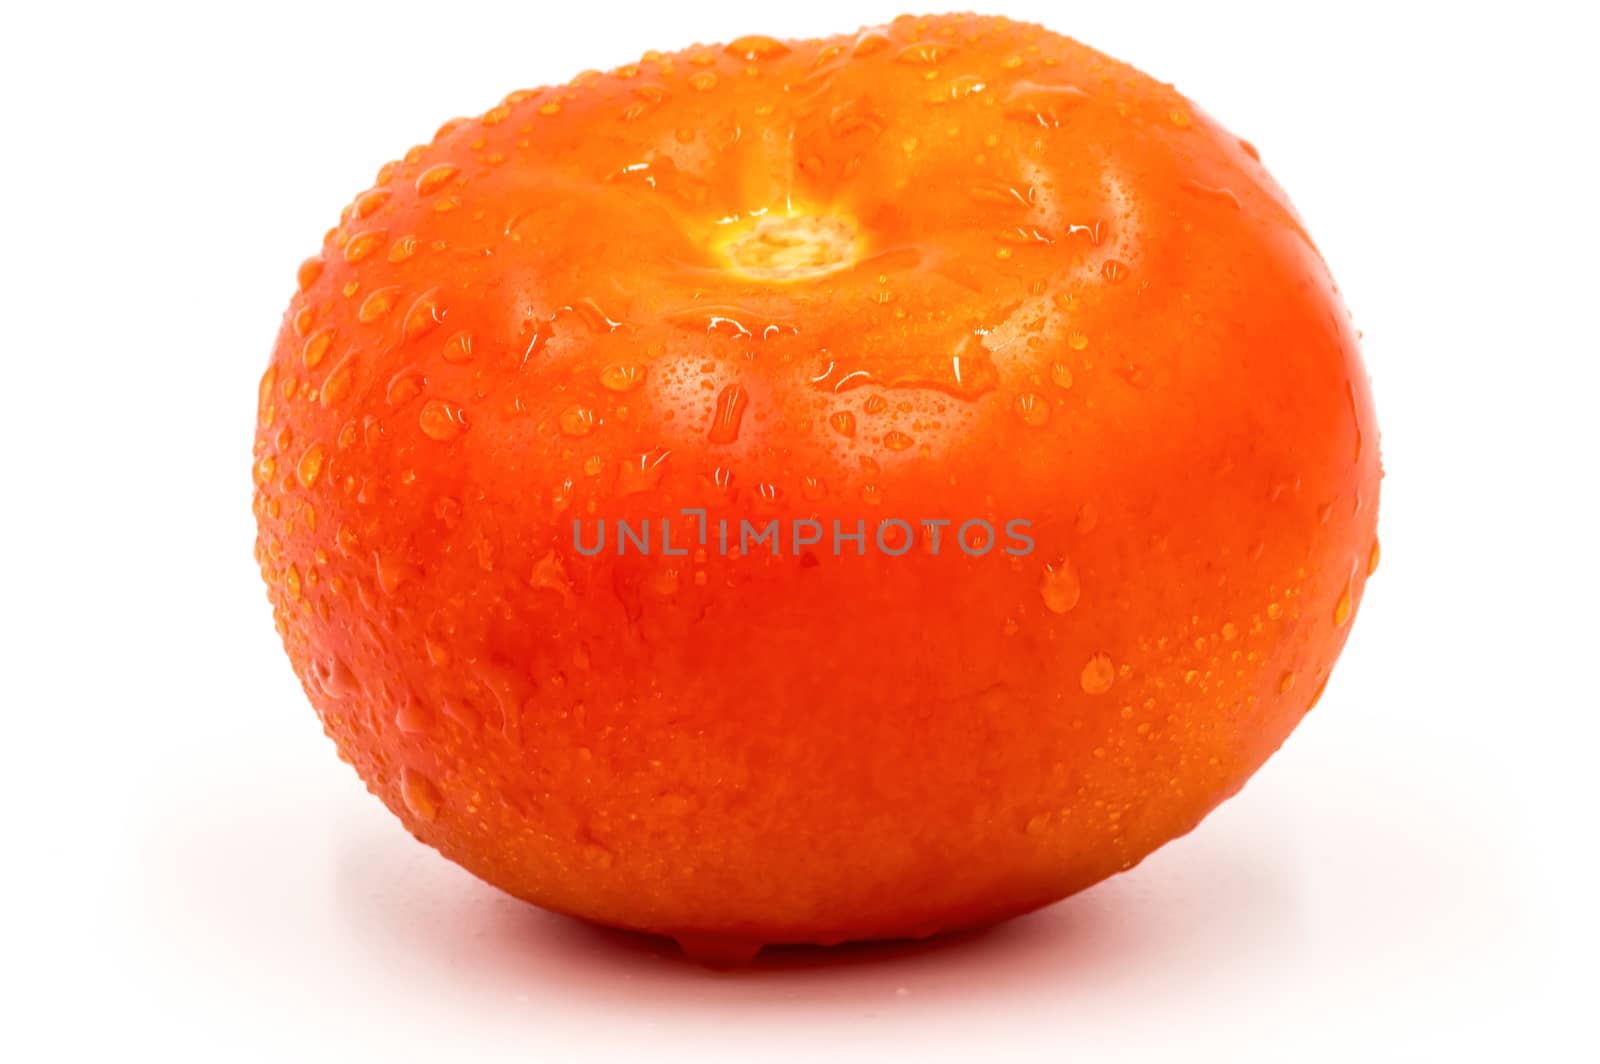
{"x":1037,"y":432}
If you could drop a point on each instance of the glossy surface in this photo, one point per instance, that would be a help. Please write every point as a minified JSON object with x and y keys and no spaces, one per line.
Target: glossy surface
{"x":1013,"y":279}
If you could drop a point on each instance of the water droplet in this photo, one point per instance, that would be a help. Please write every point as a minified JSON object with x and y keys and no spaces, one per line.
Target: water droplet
{"x":622,"y":377}
{"x":1230,"y":631}
{"x":642,"y":474}
{"x":1221,"y":195}
{"x":896,"y":440}
{"x":1061,"y":374}
{"x":1098,"y":675}
{"x":412,"y":717}
{"x":1059,"y":586}
{"x":308,"y":273}
{"x":1342,"y":608}
{"x":843,"y":422}
{"x":369,"y":202}
{"x":1114,"y":272}
{"x":704,"y":81}
{"x":403,"y":388}
{"x":1286,"y":684}
{"x":869,"y":42}
{"x":755,"y":47}
{"x":549,"y":575}
{"x":423,"y":316}
{"x":731,"y":403}
{"x":377,"y":304}
{"x":338,"y":681}
{"x":923,"y":53}
{"x":577,"y":421}
{"x":966,"y":370}
{"x":958,"y":88}
{"x":1032,"y":409}
{"x":458,"y":348}
{"x":317,"y":346}
{"x":438,"y":651}
{"x":1372,"y":559}
{"x":310,"y":467}
{"x":441,"y":421}
{"x":1043,"y":105}
{"x":362,"y":244}
{"x":596,"y":320}
{"x":419,"y":794}
{"x":340,"y":378}
{"x":434,"y":178}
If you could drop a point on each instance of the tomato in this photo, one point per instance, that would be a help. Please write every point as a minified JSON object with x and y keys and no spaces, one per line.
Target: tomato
{"x":805,"y":491}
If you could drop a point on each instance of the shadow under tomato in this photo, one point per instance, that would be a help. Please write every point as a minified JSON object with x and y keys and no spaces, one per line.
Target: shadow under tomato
{"x":1198,"y":900}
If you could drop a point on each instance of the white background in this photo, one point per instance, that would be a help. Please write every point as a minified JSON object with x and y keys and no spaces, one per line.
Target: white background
{"x":188,"y":868}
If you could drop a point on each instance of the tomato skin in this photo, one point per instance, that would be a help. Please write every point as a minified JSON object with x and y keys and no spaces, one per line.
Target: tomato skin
{"x":1076,"y":301}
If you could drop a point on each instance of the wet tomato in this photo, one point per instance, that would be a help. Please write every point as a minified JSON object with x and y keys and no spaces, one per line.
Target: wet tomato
{"x":797,"y":491}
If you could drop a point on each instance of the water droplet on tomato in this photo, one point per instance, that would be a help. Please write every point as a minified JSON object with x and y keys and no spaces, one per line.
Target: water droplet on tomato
{"x":458,"y":348}
{"x":577,"y":421}
{"x":923,"y":53}
{"x":423,"y":316}
{"x":1059,"y":586}
{"x":441,"y":421}
{"x":1210,"y":192}
{"x":1043,"y":105}
{"x":413,"y":717}
{"x":339,"y":381}
{"x":419,"y":794}
{"x":308,"y":273}
{"x":369,"y":202}
{"x":310,"y":466}
{"x":642,"y":474}
{"x":622,"y":377}
{"x":435,"y":177}
{"x":403,"y":388}
{"x":377,"y":304}
{"x":1032,"y":409}
{"x":1343,"y":608}
{"x":361,"y":245}
{"x":1098,"y":675}
{"x":755,"y":47}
